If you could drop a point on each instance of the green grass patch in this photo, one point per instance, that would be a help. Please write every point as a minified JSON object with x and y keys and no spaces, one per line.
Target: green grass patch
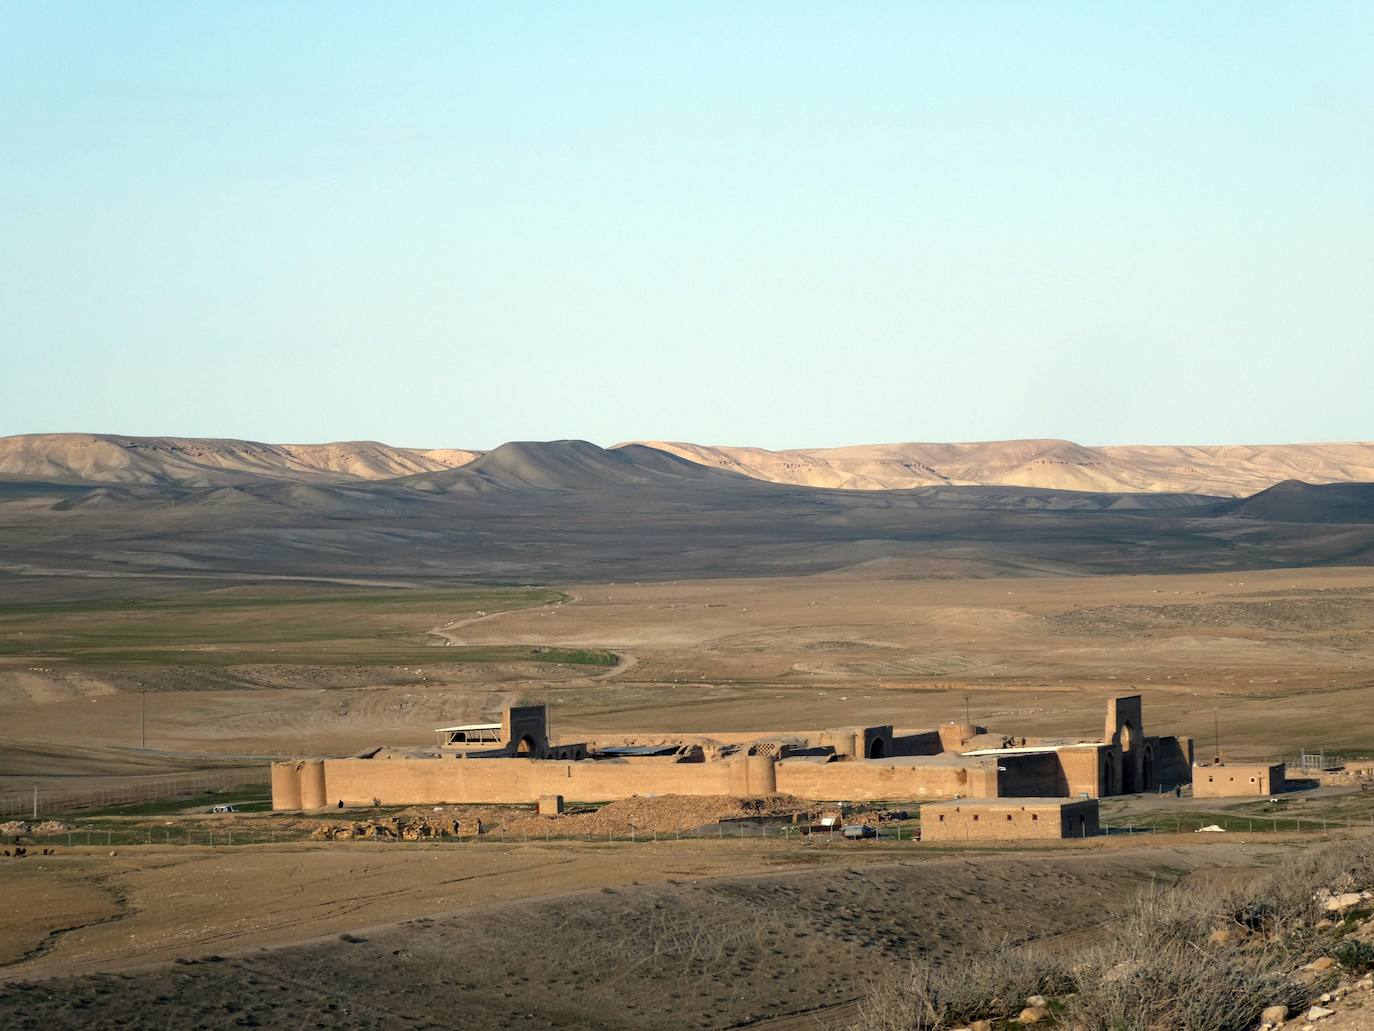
{"x":1185,"y":821}
{"x":288,"y":627}
{"x":246,"y":798}
{"x":345,"y":655}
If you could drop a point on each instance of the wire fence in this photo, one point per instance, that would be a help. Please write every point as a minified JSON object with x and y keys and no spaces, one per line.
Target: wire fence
{"x":233,"y":832}
{"x":733,"y":830}
{"x":113,"y":832}
{"x":1215,"y":822}
{"x":42,"y":801}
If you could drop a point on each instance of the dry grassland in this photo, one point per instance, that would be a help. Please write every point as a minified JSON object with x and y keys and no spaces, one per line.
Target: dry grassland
{"x":572,"y":934}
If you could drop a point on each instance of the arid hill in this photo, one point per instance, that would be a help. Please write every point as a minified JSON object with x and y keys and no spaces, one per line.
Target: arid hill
{"x":565,"y":511}
{"x":206,"y":462}
{"x":1221,"y":471}
{"x":1229,"y":470}
{"x":1295,"y":502}
{"x":569,"y":465}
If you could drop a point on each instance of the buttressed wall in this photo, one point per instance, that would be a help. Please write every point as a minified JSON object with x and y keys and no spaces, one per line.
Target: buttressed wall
{"x":879,"y":780}
{"x":848,"y":763}
{"x":324,"y":783}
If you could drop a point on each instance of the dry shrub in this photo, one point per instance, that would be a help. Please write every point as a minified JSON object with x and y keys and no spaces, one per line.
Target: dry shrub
{"x":905,"y":1003}
{"x":1164,"y":915}
{"x":1179,"y":986}
{"x":987,"y":985}
{"x":1160,"y":970}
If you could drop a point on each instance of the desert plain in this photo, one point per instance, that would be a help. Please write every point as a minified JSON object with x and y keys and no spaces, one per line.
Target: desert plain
{"x":149,"y":637}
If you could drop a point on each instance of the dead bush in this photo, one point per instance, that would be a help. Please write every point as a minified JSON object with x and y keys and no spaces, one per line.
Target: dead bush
{"x":1179,"y":986}
{"x":993,"y":984}
{"x":1162,"y":967}
{"x":905,"y":1003}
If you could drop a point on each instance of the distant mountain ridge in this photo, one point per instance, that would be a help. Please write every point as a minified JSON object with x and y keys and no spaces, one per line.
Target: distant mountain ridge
{"x":568,"y":511}
{"x":1220,"y":471}
{"x":570,"y":465}
{"x":1225,"y":470}
{"x":210,"y":462}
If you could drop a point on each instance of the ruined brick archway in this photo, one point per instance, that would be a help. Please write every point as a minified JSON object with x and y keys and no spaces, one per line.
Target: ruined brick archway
{"x":1128,"y":759}
{"x":876,"y":749}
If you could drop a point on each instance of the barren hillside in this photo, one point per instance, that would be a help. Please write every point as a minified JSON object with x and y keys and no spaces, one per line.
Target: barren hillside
{"x":208,"y":462}
{"x":1232,"y":470}
{"x":1222,"y":470}
{"x":568,"y":510}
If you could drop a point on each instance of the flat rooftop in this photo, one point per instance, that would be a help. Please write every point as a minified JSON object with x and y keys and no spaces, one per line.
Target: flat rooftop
{"x":1259,"y":764}
{"x":639,"y":750}
{"x":1035,"y":749}
{"x":468,"y":726}
{"x":1010,"y":803}
{"x":944,"y":759}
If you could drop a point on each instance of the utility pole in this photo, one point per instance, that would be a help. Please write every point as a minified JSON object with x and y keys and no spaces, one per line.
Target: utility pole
{"x":968,"y":722}
{"x":143,"y":721}
{"x":35,"y":801}
{"x":1216,"y":737}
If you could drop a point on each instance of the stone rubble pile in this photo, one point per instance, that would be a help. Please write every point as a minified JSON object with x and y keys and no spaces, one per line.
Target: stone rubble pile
{"x":640,"y":815}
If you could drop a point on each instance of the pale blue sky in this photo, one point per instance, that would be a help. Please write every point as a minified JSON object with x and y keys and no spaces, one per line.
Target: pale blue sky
{"x":780,"y":224}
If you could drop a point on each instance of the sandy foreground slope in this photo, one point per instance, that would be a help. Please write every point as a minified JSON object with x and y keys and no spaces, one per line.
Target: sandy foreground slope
{"x":533,"y":936}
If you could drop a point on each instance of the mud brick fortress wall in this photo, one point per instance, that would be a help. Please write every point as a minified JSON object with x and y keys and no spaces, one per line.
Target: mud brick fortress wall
{"x":868,"y":763}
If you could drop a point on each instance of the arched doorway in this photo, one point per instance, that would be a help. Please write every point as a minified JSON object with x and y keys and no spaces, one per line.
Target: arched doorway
{"x":526,"y":746}
{"x":876,"y":748}
{"x":1108,"y":787}
{"x":1129,"y":760}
